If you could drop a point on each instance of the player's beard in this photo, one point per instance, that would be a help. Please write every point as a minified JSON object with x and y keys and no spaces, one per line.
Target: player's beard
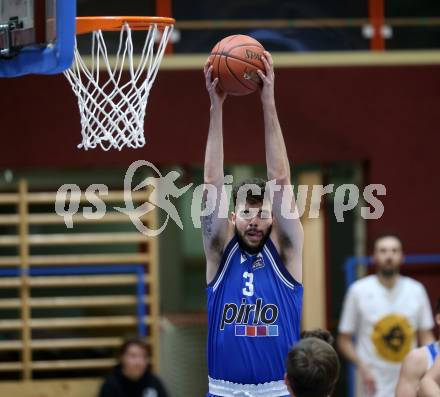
{"x":252,"y":249}
{"x":389,"y":272}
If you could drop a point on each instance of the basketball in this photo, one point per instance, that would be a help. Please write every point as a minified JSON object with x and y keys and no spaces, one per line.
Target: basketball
{"x":235,"y":61}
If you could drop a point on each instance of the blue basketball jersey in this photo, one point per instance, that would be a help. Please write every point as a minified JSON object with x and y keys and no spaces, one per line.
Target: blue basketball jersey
{"x":254,"y":315}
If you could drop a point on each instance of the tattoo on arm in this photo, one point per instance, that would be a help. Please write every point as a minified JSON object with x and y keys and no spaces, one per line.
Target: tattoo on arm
{"x":207,"y":220}
{"x":207,"y":225}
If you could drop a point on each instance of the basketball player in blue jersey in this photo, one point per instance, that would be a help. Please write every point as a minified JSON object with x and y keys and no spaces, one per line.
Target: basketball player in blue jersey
{"x":417,"y":363}
{"x":254,"y":264}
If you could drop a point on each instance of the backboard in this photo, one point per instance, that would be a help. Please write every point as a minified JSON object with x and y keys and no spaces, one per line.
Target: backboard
{"x":36,"y":36}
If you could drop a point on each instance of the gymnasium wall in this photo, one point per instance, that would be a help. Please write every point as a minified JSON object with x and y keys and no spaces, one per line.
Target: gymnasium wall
{"x":384,"y":116}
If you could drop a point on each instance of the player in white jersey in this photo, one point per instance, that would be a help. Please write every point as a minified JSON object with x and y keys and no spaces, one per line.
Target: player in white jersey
{"x":417,"y":363}
{"x":386,"y":313}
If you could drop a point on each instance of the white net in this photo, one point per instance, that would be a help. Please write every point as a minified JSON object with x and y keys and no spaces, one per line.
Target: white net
{"x":113,"y":96}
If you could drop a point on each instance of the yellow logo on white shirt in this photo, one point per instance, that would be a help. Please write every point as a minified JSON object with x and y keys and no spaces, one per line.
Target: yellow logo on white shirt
{"x":392,"y":337}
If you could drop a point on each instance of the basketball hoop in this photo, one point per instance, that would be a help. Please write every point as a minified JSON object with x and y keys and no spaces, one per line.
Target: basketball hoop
{"x":113,"y":107}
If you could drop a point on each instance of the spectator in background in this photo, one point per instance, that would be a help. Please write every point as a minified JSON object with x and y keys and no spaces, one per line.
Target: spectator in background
{"x":131,"y":377}
{"x":385,"y":312}
{"x":312,"y":368}
{"x":430,"y":384}
{"x":417,"y":363}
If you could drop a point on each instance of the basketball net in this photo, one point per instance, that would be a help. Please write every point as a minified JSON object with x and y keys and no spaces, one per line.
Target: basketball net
{"x":112,"y":106}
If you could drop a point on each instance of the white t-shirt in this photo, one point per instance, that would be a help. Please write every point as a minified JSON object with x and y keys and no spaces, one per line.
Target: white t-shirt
{"x":385,"y":323}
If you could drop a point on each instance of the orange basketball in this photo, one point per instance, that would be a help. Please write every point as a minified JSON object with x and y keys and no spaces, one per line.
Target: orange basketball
{"x":235,"y":61}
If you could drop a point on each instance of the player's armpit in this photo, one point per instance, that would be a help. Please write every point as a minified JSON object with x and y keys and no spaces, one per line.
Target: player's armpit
{"x":430,"y":384}
{"x":411,"y":372}
{"x":288,"y":228}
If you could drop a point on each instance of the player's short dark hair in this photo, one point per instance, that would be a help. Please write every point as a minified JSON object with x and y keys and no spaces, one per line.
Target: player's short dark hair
{"x":319,"y":333}
{"x":134,"y":341}
{"x":312,"y":368}
{"x":385,"y":235}
{"x":250,"y":198}
{"x":437,"y":307}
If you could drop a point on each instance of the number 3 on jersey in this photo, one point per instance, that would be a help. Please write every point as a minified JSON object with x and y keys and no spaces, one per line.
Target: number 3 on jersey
{"x":249,"y":289}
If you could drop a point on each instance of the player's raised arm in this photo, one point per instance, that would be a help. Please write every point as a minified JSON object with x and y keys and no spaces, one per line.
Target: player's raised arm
{"x":214,"y":228}
{"x":289,"y":233}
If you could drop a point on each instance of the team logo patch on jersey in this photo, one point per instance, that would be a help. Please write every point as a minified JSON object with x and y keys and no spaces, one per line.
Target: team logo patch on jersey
{"x":259,"y":330}
{"x":392,"y":337}
{"x":251,"y":319}
{"x":258,"y":263}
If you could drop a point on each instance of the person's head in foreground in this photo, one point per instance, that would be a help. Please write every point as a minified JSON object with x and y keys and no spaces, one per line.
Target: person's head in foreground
{"x":388,"y":255}
{"x":252,"y":220}
{"x":312,"y":368}
{"x":134,"y":358}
